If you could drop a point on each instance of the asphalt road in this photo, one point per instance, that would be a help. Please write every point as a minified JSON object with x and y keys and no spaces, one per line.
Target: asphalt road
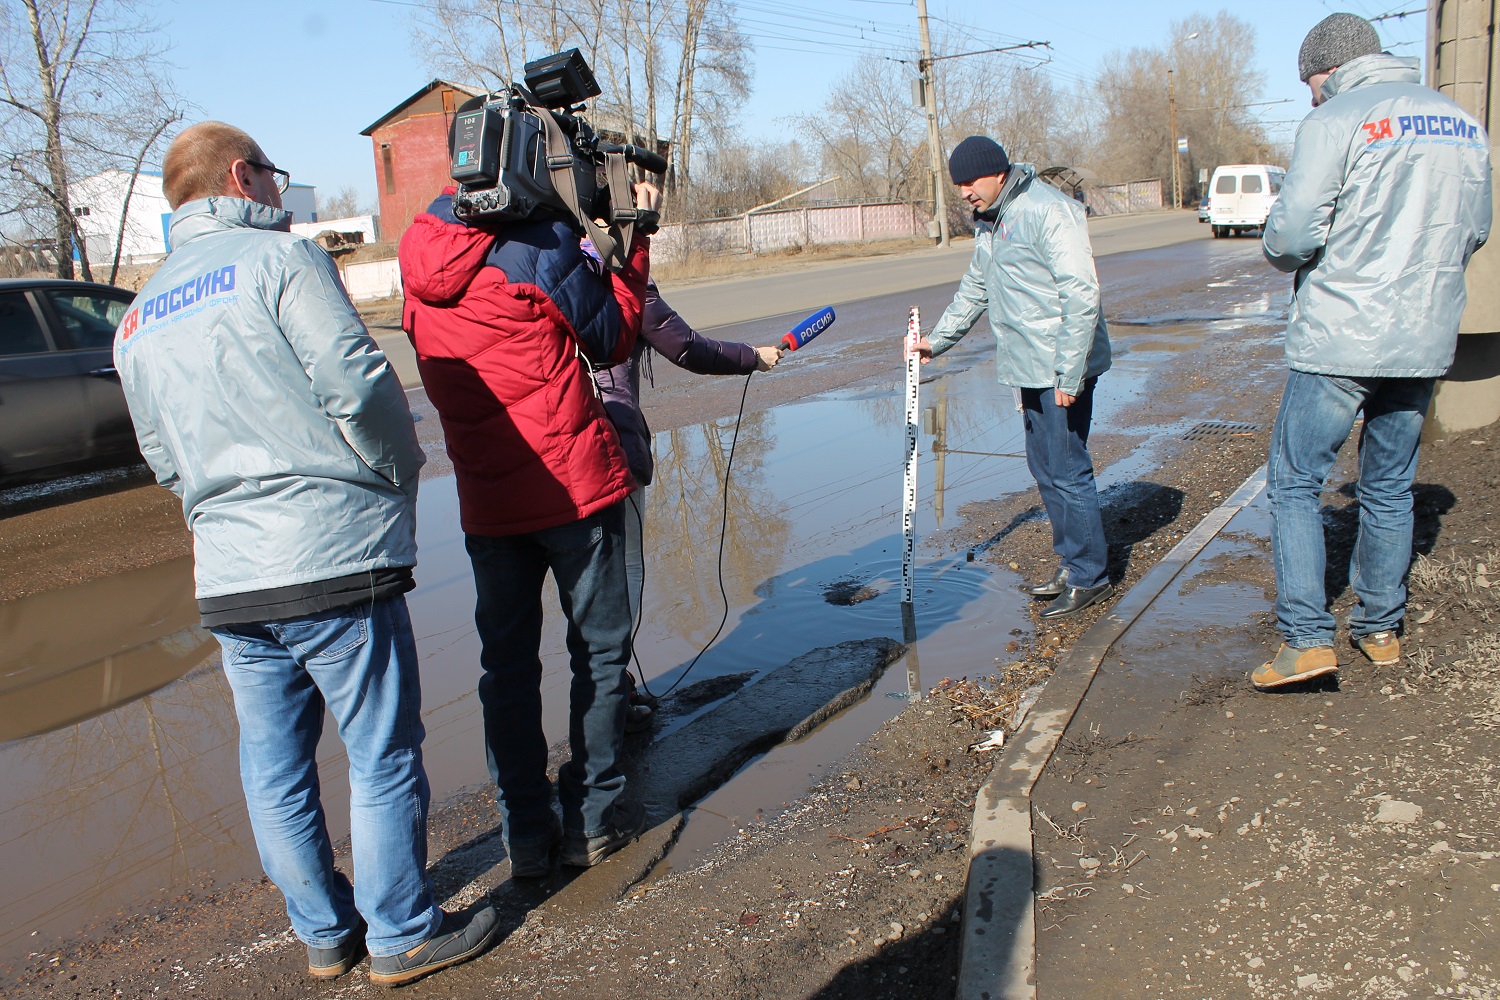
{"x":803,"y":286}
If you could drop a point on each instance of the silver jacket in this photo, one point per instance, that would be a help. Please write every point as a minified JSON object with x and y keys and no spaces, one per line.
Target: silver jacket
{"x":1386,"y":199}
{"x":259,"y":399}
{"x":1033,"y":269}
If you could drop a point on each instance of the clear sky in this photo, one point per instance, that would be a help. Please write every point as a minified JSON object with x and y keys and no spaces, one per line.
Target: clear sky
{"x":305,"y":76}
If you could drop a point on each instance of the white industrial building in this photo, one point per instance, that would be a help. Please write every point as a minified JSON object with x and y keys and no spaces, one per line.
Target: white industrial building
{"x":99,"y":203}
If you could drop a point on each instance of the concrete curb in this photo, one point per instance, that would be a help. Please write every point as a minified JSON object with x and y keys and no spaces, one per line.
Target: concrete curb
{"x":998,"y":958}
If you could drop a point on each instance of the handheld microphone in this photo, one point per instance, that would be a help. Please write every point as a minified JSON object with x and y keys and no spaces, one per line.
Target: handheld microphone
{"x":808,"y":329}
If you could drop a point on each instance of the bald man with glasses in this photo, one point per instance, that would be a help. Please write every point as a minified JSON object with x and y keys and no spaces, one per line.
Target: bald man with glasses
{"x":261,"y":401}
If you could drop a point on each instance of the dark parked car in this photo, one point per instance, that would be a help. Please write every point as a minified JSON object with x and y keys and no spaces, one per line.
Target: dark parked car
{"x":60,"y":400}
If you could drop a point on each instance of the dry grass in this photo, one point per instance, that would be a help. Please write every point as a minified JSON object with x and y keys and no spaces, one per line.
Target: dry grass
{"x":999,"y":703}
{"x":1094,"y":742}
{"x":980,"y":706}
{"x":1461,"y":587}
{"x":1441,"y":577}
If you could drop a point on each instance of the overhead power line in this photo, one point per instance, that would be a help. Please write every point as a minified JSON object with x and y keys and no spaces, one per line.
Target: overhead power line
{"x":1399,"y":14}
{"x":1226,"y":107}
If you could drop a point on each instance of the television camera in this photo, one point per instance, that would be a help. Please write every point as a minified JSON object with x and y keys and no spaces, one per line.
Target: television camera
{"x":525,"y":152}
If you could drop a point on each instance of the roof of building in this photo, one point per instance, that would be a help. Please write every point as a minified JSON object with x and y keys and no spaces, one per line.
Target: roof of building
{"x":422,"y":92}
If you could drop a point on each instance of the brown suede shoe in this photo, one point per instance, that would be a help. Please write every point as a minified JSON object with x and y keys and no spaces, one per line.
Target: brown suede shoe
{"x":1293,"y":666}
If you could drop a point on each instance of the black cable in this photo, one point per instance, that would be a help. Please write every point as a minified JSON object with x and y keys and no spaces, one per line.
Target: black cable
{"x":723,"y":531}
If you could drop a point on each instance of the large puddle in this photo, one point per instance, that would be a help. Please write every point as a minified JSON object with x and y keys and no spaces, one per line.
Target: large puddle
{"x":127,"y":787}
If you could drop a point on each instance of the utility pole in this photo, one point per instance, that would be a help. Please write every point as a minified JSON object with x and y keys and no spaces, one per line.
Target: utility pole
{"x":1463,"y":62}
{"x":1172,"y":139}
{"x":934,"y":142}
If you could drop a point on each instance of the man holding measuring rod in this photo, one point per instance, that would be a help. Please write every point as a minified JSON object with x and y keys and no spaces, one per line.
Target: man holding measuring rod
{"x":1033,"y":269}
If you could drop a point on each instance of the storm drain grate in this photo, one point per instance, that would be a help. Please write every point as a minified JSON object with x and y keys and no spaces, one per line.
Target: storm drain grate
{"x":1219,"y":429}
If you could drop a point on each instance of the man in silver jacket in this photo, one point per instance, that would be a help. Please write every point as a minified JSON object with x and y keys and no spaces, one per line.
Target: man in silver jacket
{"x":1386,"y":199}
{"x":1033,"y":269}
{"x":259,"y":399}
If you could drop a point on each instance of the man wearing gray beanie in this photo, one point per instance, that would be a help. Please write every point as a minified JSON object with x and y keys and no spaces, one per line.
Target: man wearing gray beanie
{"x":1386,"y":199}
{"x":1033,"y":269}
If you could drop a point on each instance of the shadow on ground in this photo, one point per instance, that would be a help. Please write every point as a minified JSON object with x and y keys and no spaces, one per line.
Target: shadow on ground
{"x":1430,"y":503}
{"x":1132,"y":512}
{"x":923,"y":964}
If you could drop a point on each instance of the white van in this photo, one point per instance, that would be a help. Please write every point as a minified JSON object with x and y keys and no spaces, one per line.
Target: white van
{"x":1240,"y":196}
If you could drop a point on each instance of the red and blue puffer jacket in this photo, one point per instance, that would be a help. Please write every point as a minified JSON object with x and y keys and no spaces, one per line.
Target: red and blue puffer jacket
{"x":496,"y":315}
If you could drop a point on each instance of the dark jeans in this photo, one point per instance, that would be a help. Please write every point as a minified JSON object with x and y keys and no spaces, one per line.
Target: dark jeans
{"x":1317,"y":413}
{"x":1057,"y":452}
{"x":587,"y":559}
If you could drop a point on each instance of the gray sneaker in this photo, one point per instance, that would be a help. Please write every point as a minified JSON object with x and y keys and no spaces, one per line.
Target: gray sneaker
{"x":626,"y":821}
{"x":330,"y":963}
{"x":460,"y":937}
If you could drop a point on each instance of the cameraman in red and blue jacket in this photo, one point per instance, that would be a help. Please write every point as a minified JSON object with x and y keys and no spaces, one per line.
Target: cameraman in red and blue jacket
{"x":502,"y":317}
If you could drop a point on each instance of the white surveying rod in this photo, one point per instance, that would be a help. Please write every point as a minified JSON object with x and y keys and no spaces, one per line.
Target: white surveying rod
{"x":909,"y":495}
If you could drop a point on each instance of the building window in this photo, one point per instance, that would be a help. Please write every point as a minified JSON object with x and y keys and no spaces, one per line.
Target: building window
{"x":81,"y":211}
{"x":389,"y":166}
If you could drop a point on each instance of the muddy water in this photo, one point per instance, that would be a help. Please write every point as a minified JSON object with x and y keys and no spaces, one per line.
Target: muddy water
{"x":132,"y":790}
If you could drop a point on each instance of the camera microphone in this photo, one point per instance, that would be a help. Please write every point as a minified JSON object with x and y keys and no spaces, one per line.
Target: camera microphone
{"x":808,"y":329}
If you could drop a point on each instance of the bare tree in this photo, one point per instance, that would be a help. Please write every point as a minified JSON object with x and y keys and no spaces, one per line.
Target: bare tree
{"x":343,"y":204}
{"x":1012,"y":101}
{"x":869,"y":134}
{"x":487,"y":41}
{"x":1212,"y":60}
{"x":741,"y":175}
{"x":169,"y":119}
{"x":81,"y":90}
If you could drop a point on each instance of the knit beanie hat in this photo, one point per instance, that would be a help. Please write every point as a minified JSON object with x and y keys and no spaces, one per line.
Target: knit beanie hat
{"x":975,"y":157}
{"x":1334,"y":41}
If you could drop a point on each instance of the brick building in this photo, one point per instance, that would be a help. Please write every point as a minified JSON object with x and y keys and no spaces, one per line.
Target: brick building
{"x":411,"y":153}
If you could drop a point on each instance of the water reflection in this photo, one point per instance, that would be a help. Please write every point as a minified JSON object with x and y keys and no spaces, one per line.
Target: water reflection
{"x":814,"y":503}
{"x":97,"y":813}
{"x":68,"y":655}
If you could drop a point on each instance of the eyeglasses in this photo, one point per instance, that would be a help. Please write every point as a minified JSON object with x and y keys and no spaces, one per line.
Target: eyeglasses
{"x":283,"y":179}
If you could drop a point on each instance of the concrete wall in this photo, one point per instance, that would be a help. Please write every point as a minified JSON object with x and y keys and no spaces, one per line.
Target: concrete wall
{"x":1118,"y":199}
{"x":372,"y":279}
{"x":763,"y":232}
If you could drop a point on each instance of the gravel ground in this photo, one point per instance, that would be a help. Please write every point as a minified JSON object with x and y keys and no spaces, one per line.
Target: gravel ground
{"x":1336,"y":839}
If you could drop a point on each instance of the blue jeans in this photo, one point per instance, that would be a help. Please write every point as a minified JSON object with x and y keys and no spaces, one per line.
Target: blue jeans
{"x":361,"y":662}
{"x":1057,"y":452}
{"x":587,"y":559}
{"x":1317,"y":413}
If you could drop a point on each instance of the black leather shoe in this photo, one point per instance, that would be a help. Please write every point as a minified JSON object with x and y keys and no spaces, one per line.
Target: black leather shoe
{"x":1075,"y":599}
{"x":1052,"y":588}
